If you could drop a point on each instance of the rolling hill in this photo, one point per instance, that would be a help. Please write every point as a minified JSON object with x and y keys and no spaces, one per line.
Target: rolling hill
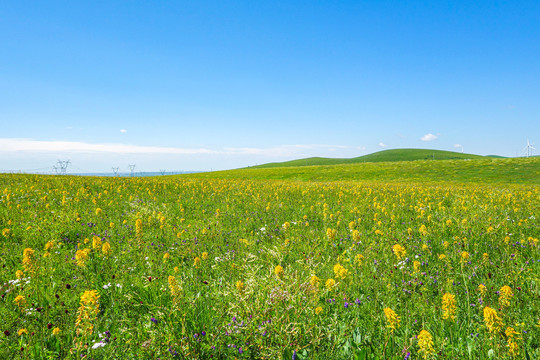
{"x":380,"y":156}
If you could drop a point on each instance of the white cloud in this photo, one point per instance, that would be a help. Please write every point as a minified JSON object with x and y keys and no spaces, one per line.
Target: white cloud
{"x":381,"y":144}
{"x":123,"y":131}
{"x":457,"y":145}
{"x":361,"y":148}
{"x":30,"y":145}
{"x":429,"y":137}
{"x":18,"y":145}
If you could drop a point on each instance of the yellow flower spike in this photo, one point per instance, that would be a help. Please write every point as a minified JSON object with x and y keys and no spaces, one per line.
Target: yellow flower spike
{"x":425,"y":343}
{"x":106,"y":249}
{"x":399,"y":251}
{"x":22,"y":332}
{"x":482,"y":289}
{"x":240,"y":286}
{"x":176,"y":291}
{"x":492,"y":320}
{"x":449,"y":306}
{"x":96,"y":243}
{"x":392,"y":319}
{"x":278,"y":270}
{"x":81,"y":257}
{"x":19,"y":274}
{"x":138,"y":227}
{"x":87,"y":313}
{"x":204,"y":255}
{"x":330,"y":284}
{"x":505,"y":295}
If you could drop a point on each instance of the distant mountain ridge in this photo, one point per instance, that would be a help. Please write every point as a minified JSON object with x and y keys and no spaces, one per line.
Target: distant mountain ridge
{"x":380,"y":156}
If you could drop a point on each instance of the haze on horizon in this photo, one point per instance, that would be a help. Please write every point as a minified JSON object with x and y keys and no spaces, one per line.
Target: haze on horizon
{"x":223,"y":84}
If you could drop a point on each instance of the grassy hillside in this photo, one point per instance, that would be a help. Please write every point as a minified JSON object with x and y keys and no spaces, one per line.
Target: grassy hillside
{"x":484,"y":170}
{"x":385,"y":155}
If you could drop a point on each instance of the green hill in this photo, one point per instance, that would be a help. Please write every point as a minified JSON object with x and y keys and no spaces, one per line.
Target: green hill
{"x":484,"y":170}
{"x":380,"y":156}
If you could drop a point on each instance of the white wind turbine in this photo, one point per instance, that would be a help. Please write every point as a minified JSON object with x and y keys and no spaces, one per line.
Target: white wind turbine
{"x":529,"y":147}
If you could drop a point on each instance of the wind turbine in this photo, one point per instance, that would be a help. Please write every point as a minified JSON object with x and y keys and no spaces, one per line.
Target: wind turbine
{"x":529,"y":147}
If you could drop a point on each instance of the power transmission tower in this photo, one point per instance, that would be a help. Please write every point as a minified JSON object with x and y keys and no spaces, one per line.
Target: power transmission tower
{"x":62,"y":166}
{"x":132,"y":168}
{"x":115,"y":170}
{"x":162,"y":171}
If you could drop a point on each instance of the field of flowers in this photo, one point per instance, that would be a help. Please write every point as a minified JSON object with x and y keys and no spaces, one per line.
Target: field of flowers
{"x":187,"y":268}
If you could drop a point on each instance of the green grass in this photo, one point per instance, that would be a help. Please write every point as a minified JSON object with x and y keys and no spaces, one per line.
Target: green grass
{"x":381,"y":156}
{"x":460,"y":226}
{"x":484,"y":170}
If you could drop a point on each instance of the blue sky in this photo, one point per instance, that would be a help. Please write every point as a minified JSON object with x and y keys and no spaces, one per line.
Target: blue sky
{"x":223,"y":84}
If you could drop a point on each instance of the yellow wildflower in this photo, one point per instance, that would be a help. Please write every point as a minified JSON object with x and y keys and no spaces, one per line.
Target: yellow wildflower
{"x":505,"y":294}
{"x":96,"y":243}
{"x":56,"y":331}
{"x":87,"y":313}
{"x":22,"y":331}
{"x":49,"y":245}
{"x":465,"y":256}
{"x":81,"y":256}
{"x":19,"y":274}
{"x":175,"y":289}
{"x":279,"y":271}
{"x":392,"y":319}
{"x":99,"y":211}
{"x":20,"y":301}
{"x":138,"y":227}
{"x":330,"y":284}
{"x":425,"y":343}
{"x":340,"y":271}
{"x":356,"y":235}
{"x":106,"y":249}
{"x":314,"y":281}
{"x":204,"y":255}
{"x":399,"y":251}
{"x":449,"y":306}
{"x":28,"y":261}
{"x":318,"y":310}
{"x":492,"y":320}
{"x":240,"y":286}
{"x":166,"y":256}
{"x":331,"y":233}
{"x":196,"y":261}
{"x":359,"y":258}
{"x":482,"y":289}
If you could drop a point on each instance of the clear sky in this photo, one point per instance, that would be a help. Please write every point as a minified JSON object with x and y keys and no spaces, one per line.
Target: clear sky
{"x":200,"y":85}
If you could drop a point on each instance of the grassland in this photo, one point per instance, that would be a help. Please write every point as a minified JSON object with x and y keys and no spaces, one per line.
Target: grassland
{"x":391,"y":155}
{"x":420,"y":259}
{"x":485,"y":171}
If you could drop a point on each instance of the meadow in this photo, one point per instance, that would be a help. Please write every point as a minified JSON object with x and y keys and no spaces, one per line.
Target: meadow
{"x":346,"y":262}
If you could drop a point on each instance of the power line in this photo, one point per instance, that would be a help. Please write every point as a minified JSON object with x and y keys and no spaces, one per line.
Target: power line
{"x":62,"y":167}
{"x":131,"y":168}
